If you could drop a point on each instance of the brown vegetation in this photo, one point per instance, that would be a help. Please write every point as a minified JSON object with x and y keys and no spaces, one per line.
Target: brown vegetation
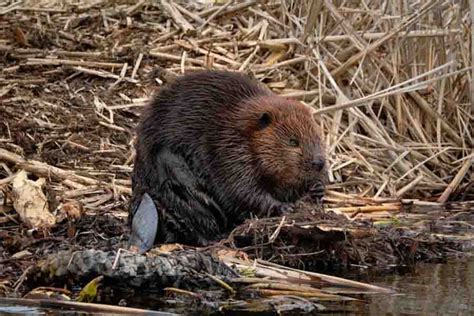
{"x":389,"y":81}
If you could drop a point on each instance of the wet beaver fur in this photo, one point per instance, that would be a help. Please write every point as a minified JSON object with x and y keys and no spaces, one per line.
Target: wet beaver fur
{"x":213,"y":147}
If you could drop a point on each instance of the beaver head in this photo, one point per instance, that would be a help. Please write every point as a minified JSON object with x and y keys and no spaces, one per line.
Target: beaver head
{"x":286,"y":145}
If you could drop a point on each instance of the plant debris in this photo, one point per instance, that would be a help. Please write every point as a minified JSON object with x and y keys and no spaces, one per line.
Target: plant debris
{"x":30,"y":202}
{"x":389,"y":83}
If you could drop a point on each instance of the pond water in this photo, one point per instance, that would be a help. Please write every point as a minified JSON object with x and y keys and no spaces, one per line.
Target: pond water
{"x":427,"y":289}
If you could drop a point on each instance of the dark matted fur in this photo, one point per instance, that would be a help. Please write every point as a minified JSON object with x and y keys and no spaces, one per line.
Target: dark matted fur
{"x":214,"y":146}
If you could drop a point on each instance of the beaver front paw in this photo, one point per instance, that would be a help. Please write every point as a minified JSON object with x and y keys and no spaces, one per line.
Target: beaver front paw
{"x":316,"y":192}
{"x":283,"y":208}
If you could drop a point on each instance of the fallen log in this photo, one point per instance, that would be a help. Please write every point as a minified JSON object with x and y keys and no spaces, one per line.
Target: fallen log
{"x":186,"y":269}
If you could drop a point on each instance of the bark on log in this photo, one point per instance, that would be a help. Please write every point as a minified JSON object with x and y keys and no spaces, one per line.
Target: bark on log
{"x":186,"y":269}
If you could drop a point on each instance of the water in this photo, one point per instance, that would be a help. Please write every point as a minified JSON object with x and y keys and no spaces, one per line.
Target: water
{"x":427,"y":289}
{"x":430,"y":289}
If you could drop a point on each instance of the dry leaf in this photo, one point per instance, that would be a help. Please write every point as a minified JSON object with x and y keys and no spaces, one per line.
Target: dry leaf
{"x":275,"y":57}
{"x":71,"y":210}
{"x":166,"y":248}
{"x":30,"y":202}
{"x":21,"y":254}
{"x":48,"y":293}
{"x":20,"y":37}
{"x":233,"y":254}
{"x":71,"y":231}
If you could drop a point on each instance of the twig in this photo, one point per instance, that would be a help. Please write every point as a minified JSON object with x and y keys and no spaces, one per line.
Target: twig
{"x":471,"y":5}
{"x":290,"y":272}
{"x":45,"y":170}
{"x":404,"y":24}
{"x":137,"y":65}
{"x":60,"y":62}
{"x":221,"y":9}
{"x":277,"y":230}
{"x":78,"y":306}
{"x":232,"y":9}
{"x":384,"y":93}
{"x":180,"y":291}
{"x":456,"y":181}
{"x":221,"y":283}
{"x":367,"y":209}
{"x":172,"y":12}
{"x":189,"y":60}
{"x":409,"y":186}
{"x":185,"y":11}
{"x":103,"y":74}
{"x":378,"y":35}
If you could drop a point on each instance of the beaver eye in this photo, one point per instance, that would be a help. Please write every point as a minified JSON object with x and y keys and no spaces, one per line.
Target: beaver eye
{"x":264,"y":120}
{"x":294,"y":142}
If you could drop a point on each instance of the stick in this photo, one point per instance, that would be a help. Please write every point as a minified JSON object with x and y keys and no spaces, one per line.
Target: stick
{"x":295,"y":60}
{"x":44,"y":170}
{"x":409,"y":186}
{"x":277,"y":230}
{"x":174,"y":13}
{"x":315,"y":294}
{"x":204,"y":52}
{"x":232,"y":9}
{"x":312,"y":275}
{"x":189,"y":60}
{"x":404,"y":24}
{"x":215,"y":14}
{"x":137,"y":65}
{"x":78,"y":306}
{"x":471,"y":5}
{"x":384,"y":93}
{"x":61,"y":62}
{"x":103,"y":74}
{"x":456,"y":181}
{"x":185,"y":11}
{"x":367,"y":209}
{"x":423,"y":162}
{"x":377,"y":35}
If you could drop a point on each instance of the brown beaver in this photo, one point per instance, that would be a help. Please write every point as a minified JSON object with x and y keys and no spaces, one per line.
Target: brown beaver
{"x":214,"y":147}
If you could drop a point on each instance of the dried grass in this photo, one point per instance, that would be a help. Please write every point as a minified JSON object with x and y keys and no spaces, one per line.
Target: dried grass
{"x":389,"y":82}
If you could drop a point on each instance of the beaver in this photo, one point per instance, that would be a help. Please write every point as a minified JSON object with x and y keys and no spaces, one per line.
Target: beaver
{"x":212,"y":148}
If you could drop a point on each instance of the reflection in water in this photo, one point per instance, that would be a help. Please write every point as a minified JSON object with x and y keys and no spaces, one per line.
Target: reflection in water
{"x":431,"y":289}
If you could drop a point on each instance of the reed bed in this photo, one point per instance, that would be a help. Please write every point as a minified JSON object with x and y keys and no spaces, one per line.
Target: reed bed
{"x":390,"y":82}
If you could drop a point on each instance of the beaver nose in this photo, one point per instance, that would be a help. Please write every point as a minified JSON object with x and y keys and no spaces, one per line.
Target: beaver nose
{"x":318,"y":163}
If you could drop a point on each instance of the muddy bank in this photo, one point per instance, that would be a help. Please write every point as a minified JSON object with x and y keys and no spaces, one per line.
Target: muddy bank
{"x":311,"y":239}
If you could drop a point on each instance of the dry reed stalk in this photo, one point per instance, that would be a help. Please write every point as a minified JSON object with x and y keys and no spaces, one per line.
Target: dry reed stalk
{"x":44,"y":170}
{"x":457,"y":179}
{"x":51,"y":61}
{"x":170,"y":9}
{"x":78,"y":306}
{"x":272,"y":278}
{"x":389,"y":83}
{"x":278,"y":271}
{"x":367,"y":209}
{"x":471,"y":5}
{"x":320,"y":296}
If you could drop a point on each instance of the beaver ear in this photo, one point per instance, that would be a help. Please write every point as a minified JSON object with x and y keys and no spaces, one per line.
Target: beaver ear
{"x":264,"y":120}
